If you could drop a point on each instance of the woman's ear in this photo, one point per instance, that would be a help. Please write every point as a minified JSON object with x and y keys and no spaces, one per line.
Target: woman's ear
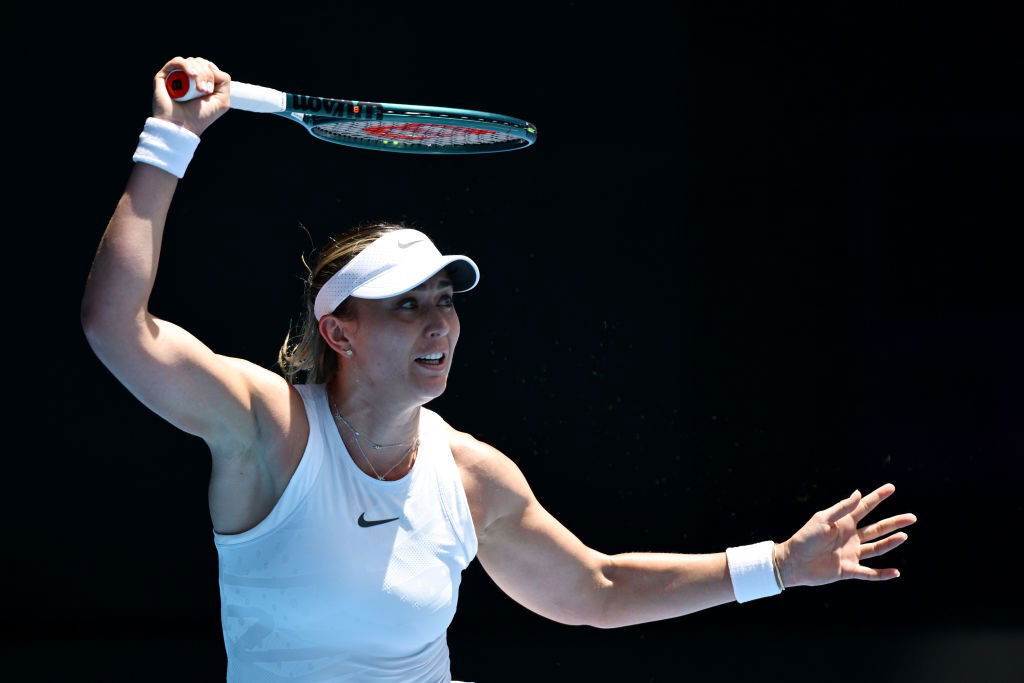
{"x":335,"y":332}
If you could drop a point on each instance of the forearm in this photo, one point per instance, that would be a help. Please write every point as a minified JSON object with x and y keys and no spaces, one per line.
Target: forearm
{"x":654,"y":586}
{"x":124,"y":269}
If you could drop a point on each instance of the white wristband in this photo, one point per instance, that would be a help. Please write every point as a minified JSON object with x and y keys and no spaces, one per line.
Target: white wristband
{"x":166,"y":145}
{"x":752,"y":571}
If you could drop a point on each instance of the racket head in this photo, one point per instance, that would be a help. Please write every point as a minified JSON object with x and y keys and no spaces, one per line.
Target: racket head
{"x":409,"y":129}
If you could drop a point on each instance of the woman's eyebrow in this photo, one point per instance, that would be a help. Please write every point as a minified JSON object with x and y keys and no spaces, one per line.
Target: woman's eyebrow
{"x":440,"y":285}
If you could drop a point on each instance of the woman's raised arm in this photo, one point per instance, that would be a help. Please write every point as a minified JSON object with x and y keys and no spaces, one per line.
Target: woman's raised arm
{"x":169,"y":370}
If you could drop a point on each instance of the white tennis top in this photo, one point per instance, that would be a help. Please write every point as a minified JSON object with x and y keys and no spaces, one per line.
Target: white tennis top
{"x":349,"y":578}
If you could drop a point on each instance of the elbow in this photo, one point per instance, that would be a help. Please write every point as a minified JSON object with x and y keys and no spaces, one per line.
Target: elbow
{"x":584,"y":602}
{"x":600,"y":606}
{"x":90,"y":320}
{"x":602,"y":621}
{"x":101,"y":320}
{"x":93,"y":306}
{"x":87,"y":316}
{"x":94,"y":323}
{"x":597,"y":617}
{"x":92,"y":314}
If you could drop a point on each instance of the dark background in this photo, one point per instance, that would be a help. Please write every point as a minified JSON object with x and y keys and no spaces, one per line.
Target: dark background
{"x":761,"y":255}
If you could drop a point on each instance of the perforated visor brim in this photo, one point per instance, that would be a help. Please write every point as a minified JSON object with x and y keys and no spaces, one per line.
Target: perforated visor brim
{"x":462,"y":270}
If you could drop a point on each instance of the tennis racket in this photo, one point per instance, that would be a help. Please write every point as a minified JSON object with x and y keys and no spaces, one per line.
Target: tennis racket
{"x":376,"y":125}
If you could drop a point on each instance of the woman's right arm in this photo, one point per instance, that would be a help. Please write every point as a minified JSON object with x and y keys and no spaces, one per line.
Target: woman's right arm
{"x":174,"y":374}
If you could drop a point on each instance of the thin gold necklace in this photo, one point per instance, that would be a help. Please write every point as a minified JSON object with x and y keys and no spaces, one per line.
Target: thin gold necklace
{"x":414,"y":445}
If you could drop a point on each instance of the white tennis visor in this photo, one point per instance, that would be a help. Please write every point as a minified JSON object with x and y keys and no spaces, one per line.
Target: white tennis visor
{"x":395,"y":263}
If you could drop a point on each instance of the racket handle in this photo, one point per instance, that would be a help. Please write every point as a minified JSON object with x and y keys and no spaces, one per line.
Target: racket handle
{"x":181,"y":87}
{"x":244,"y":96}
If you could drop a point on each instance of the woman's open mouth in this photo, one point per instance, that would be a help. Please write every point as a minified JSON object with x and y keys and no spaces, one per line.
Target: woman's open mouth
{"x":433,"y":359}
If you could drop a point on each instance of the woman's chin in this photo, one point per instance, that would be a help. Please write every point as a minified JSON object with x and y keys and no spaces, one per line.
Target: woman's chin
{"x":439,"y":390}
{"x":431,"y":387}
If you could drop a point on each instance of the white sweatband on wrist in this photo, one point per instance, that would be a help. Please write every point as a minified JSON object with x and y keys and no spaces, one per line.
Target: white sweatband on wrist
{"x":752,"y":571}
{"x":166,"y":145}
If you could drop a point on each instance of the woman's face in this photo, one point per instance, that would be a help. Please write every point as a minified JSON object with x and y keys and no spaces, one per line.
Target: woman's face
{"x":389,"y":335}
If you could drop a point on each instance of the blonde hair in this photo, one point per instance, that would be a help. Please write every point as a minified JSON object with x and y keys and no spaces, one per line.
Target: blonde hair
{"x":306,"y":351}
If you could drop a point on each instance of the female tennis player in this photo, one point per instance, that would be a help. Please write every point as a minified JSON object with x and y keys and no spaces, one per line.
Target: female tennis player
{"x":343,"y":510}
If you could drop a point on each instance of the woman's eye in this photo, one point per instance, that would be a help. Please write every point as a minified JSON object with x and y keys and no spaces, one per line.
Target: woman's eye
{"x":410,"y":304}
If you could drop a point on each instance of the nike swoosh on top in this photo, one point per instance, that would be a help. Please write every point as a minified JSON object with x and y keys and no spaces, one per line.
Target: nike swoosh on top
{"x":364,"y":523}
{"x":403,"y":245}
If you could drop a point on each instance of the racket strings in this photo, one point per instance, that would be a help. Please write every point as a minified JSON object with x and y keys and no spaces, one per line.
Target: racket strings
{"x":417,"y":134}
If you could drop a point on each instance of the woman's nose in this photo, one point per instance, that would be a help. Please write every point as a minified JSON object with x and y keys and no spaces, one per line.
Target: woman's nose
{"x":438,"y":325}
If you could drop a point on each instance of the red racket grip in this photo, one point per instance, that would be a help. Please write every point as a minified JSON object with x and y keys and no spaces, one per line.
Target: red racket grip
{"x":181,"y":87}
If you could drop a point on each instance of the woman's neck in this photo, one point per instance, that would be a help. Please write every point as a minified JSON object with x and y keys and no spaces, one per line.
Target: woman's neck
{"x":377,"y":422}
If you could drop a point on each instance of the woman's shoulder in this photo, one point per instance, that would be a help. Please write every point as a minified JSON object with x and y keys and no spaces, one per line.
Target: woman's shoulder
{"x":465,"y":443}
{"x":491,"y":479}
{"x":474,"y":455}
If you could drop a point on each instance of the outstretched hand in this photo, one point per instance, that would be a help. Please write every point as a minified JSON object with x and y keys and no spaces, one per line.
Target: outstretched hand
{"x":830,"y":547}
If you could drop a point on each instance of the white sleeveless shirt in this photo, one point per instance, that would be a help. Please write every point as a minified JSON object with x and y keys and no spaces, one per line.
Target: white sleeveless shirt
{"x":349,"y":578}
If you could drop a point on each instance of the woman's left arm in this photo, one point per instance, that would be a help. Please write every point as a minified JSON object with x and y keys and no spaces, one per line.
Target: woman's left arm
{"x":528,"y":553}
{"x":541,"y":565}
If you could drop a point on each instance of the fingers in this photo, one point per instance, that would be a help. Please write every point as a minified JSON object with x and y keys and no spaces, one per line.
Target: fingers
{"x":202,"y":71}
{"x":205,"y":73}
{"x":879,"y":529}
{"x":869,"y":550}
{"x":198,"y":113}
{"x":221,"y":78}
{"x":841,"y":509}
{"x":872,"y":500}
{"x":871,"y":574}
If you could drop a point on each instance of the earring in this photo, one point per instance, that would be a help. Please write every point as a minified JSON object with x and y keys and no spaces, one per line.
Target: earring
{"x":348,"y":352}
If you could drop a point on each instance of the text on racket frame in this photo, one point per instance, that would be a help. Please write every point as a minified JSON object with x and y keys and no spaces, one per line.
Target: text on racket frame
{"x":346,"y":109}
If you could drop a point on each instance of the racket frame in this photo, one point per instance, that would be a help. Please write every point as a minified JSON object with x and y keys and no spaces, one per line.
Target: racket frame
{"x":315,"y":111}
